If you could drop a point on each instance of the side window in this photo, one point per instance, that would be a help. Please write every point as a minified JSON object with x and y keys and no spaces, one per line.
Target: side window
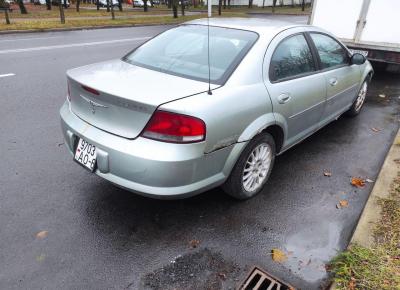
{"x":292,"y":57}
{"x":330,"y":51}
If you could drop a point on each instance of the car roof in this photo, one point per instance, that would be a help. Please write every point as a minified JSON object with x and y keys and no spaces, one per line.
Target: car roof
{"x":259,"y":25}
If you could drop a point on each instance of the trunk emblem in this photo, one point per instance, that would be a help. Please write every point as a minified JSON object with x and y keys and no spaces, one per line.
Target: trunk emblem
{"x":93,"y":104}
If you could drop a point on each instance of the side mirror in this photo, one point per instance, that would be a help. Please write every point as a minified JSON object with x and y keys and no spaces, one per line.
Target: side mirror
{"x":357,"y":58}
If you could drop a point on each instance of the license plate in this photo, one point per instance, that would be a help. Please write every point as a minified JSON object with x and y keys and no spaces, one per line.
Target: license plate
{"x":363,"y":52}
{"x":85,"y":154}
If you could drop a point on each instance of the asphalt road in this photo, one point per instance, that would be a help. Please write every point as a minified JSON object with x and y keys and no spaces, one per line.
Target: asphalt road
{"x":102,"y":237}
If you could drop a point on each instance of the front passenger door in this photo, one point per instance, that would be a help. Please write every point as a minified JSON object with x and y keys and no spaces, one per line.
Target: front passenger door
{"x":297,"y":91}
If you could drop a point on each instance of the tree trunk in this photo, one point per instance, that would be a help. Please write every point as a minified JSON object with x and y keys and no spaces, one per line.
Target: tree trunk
{"x":292,"y":3}
{"x":78,"y":2}
{"x":112,"y":10}
{"x":229,"y":4}
{"x":303,"y":4}
{"x":62,"y":16}
{"x":120,"y":5}
{"x":48,"y":4}
{"x":145,"y":9}
{"x":219,"y":7}
{"x":108,"y":5}
{"x":273,"y":6}
{"x":22,"y":7}
{"x":97,"y":4}
{"x":224,"y":4}
{"x":7,"y":17}
{"x":250,"y":3}
{"x":183,"y":8}
{"x":263,"y":4}
{"x":169,"y":4}
{"x":175,"y":8}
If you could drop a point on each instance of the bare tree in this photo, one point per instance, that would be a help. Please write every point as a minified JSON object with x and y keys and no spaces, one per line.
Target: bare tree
{"x":120,"y":5}
{"x":303,"y":5}
{"x":98,"y":4}
{"x":22,"y":7}
{"x":263,"y":4}
{"x":224,"y":4}
{"x":48,"y":4}
{"x":78,"y":3}
{"x":250,"y":3}
{"x":108,"y":5}
{"x":145,"y":8}
{"x":6,"y":7}
{"x":292,"y":3}
{"x":62,"y":16}
{"x":112,"y":10}
{"x":229,"y":4}
{"x":219,"y":7}
{"x":182,"y":8}
{"x":273,"y":6}
{"x":175,"y":8}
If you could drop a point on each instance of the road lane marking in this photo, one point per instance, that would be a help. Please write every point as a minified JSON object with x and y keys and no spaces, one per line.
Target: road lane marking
{"x":71,"y":45}
{"x":7,"y":75}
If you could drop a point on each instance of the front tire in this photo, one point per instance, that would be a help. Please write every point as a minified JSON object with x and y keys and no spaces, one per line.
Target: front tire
{"x":252,"y":169}
{"x":359,"y":101}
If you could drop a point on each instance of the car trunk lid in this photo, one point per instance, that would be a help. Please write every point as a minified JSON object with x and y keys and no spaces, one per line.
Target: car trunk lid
{"x":120,"y":98}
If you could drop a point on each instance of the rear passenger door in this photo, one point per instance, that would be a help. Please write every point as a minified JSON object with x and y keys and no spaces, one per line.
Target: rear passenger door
{"x":342,"y":79}
{"x":297,"y":91}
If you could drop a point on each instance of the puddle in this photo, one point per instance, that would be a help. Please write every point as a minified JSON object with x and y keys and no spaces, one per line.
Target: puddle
{"x":310,"y":249}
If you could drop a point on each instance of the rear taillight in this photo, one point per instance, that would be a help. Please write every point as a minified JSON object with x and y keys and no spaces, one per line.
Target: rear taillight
{"x":177,"y":128}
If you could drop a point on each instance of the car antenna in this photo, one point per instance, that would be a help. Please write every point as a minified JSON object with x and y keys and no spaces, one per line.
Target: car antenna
{"x":209,"y":3}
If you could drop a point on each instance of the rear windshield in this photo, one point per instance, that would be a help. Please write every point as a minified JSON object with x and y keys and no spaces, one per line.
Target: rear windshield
{"x":183,"y":51}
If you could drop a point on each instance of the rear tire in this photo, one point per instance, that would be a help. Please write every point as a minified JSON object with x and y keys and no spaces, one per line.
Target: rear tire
{"x":253,"y":168}
{"x":359,"y":101}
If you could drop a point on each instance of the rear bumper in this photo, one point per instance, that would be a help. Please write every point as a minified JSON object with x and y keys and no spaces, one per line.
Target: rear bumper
{"x":148,"y":167}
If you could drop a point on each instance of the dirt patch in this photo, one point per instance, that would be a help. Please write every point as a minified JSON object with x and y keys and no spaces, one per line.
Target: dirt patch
{"x":200,"y":270}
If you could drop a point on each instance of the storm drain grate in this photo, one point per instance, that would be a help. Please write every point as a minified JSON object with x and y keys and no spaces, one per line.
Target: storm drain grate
{"x":261,"y":280}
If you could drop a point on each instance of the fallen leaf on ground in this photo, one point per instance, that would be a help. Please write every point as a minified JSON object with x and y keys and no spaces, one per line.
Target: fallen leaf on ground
{"x":352,"y":283}
{"x":382,"y":96}
{"x":194,"y":243}
{"x":357,"y":182}
{"x":278,"y":256}
{"x":327,"y":173}
{"x":375,"y":129}
{"x":222,"y":276}
{"x":342,"y":203}
{"x":41,"y":257}
{"x":369,"y":180}
{"x":42,"y":234}
{"x":397,"y":160}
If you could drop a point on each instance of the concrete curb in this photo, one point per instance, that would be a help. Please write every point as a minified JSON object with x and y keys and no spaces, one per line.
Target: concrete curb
{"x":84,"y":28}
{"x":371,"y":214}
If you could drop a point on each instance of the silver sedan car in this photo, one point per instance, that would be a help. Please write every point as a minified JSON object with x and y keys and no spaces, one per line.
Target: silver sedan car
{"x":201,"y":106}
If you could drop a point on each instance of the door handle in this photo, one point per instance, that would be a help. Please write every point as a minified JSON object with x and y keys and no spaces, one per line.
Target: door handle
{"x":333,"y":82}
{"x":283,"y":98}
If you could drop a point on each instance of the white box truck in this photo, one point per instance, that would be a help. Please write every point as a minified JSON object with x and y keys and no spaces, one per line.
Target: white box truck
{"x":371,"y":27}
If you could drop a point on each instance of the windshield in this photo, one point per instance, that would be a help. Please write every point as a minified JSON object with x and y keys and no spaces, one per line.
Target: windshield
{"x":182,"y":51}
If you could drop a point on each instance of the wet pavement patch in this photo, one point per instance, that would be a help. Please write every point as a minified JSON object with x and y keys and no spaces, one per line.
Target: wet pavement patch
{"x":199,"y":270}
